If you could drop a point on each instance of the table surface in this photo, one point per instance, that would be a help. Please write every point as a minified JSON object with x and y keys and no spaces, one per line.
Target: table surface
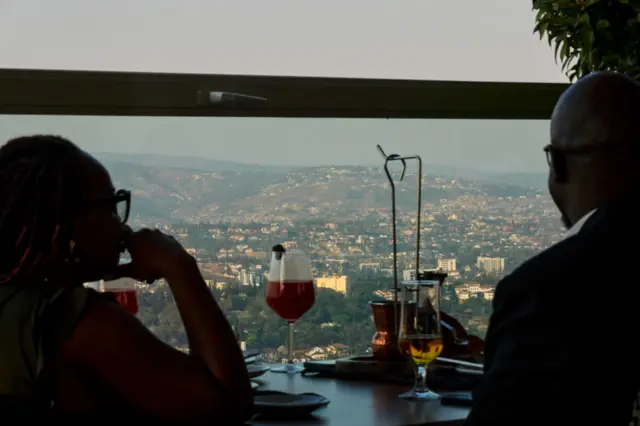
{"x":360,"y":403}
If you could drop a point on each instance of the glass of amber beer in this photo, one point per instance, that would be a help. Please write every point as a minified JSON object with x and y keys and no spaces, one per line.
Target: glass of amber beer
{"x":419,"y":334}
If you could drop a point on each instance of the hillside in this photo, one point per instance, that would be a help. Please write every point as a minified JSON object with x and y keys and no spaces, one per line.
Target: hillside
{"x":191,"y":163}
{"x":527,"y":180}
{"x":175,"y":193}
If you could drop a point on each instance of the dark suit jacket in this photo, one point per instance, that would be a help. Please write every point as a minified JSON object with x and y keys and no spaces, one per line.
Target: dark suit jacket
{"x":563,"y":341}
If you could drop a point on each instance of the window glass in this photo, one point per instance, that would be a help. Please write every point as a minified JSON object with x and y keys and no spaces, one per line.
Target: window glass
{"x":231,"y":188}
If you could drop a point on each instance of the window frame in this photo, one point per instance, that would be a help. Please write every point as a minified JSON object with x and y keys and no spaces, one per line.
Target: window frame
{"x":54,"y":92}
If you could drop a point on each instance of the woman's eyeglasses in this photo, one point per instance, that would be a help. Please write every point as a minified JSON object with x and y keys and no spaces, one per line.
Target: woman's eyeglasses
{"x":120,"y":202}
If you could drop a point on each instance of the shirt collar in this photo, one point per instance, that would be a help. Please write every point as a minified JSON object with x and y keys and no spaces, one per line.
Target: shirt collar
{"x":579,"y":224}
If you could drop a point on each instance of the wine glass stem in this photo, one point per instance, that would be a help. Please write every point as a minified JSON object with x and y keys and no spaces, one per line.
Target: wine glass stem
{"x":290,"y":354}
{"x":421,"y":378}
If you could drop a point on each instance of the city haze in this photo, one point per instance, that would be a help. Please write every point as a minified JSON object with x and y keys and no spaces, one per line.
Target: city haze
{"x":486,"y":145}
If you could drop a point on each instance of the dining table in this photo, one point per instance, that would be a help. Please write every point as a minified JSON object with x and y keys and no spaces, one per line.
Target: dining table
{"x":355,"y":403}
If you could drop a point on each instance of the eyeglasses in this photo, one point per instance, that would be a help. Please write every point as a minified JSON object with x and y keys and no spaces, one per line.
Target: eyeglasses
{"x":120,"y":202}
{"x":549,"y":152}
{"x":554,"y":152}
{"x":630,"y":148}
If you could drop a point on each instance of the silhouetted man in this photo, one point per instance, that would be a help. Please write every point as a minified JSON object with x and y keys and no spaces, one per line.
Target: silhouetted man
{"x":562,"y":346}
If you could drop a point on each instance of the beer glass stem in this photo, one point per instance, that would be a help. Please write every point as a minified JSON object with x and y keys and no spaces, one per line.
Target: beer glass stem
{"x":421,"y":379}
{"x":290,"y":348}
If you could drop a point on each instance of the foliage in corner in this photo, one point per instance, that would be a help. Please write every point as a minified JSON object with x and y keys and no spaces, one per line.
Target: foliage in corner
{"x":591,"y":35}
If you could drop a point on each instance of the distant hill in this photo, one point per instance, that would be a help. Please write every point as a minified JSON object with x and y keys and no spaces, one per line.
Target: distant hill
{"x":172,"y":192}
{"x":526,"y":180}
{"x":209,"y":190}
{"x":193,"y":163}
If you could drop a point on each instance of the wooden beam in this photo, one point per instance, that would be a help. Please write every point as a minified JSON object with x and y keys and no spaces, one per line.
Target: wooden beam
{"x":118,"y":93}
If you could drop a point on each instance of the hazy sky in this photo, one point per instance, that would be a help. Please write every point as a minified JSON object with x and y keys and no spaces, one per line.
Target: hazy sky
{"x":425,"y":39}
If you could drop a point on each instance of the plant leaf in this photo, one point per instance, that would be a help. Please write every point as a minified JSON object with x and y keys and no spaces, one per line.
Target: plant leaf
{"x":591,"y":35}
{"x":556,"y":50}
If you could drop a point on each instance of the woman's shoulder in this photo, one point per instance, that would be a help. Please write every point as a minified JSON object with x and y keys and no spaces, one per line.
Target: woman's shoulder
{"x":62,"y":309}
{"x":41,"y":309}
{"x":32,"y":299}
{"x":34,"y":321}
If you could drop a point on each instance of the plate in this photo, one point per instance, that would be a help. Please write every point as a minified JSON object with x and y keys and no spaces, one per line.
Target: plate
{"x":251,"y":360}
{"x":252,"y":357}
{"x":280,"y":404}
{"x":257,"y":370}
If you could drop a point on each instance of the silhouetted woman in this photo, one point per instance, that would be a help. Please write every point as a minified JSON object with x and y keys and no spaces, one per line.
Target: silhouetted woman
{"x":70,"y":348}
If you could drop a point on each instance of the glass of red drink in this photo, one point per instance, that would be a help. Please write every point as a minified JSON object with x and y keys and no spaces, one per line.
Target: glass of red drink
{"x":124,"y":291}
{"x":290,"y":292}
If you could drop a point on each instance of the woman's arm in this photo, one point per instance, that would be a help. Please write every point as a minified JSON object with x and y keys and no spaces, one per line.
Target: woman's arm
{"x":209,"y":383}
{"x":202,"y":320}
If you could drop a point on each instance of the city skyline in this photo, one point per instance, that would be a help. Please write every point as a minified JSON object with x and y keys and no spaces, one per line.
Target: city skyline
{"x":476,"y":231}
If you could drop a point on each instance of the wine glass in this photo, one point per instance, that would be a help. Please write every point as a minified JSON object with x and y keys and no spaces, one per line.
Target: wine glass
{"x":290,"y":293}
{"x":420,"y":337}
{"x":123,"y":290}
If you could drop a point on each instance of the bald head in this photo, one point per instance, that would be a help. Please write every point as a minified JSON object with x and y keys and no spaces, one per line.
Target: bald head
{"x":595,"y":144}
{"x":601,"y":108}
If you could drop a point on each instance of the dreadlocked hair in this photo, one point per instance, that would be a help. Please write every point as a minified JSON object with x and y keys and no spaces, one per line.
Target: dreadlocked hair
{"x":36,"y":190}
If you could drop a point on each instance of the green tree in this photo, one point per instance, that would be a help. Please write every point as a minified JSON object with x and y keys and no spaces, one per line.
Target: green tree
{"x":591,"y":35}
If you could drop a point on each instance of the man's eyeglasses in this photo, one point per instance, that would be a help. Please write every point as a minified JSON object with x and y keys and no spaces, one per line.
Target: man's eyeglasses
{"x":550,"y":151}
{"x":553,"y":151}
{"x":120,"y":202}
{"x":608,"y":148}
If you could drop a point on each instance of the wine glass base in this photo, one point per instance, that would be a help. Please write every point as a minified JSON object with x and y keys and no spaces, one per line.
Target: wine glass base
{"x":288,"y":368}
{"x":420,"y":395}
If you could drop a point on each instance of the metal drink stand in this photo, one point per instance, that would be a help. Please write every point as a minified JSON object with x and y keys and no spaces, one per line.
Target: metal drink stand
{"x":403,"y":160}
